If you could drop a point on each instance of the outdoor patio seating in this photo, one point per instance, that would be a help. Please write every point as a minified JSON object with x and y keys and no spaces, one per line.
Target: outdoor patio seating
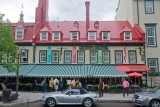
{"x":7,"y":94}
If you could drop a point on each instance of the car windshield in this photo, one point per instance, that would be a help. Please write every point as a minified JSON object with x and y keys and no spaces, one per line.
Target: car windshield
{"x":155,"y":89}
{"x":82,"y":90}
{"x":65,"y":90}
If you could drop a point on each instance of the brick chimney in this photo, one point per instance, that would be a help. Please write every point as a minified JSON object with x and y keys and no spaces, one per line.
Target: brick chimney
{"x":41,"y":16}
{"x":87,"y":14}
{"x":42,"y":12}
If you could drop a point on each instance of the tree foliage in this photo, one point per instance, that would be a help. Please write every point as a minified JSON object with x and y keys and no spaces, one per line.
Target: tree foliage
{"x":8,"y":48}
{"x":7,"y":44}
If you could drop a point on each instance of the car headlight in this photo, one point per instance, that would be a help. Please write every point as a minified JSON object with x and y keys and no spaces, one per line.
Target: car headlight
{"x":143,"y":97}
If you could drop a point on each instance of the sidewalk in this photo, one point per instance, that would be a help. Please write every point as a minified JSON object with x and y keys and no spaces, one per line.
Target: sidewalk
{"x":28,"y":97}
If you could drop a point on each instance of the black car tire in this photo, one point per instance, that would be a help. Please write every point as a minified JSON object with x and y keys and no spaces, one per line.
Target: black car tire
{"x":51,"y":102}
{"x":155,"y":103}
{"x":87,"y":102}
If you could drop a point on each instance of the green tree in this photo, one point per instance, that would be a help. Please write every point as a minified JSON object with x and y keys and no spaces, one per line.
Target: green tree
{"x":8,"y":48}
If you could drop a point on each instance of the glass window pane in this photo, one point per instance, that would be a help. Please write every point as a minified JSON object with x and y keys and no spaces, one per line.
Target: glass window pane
{"x":68,"y":57}
{"x":153,"y":65}
{"x":132,"y":56}
{"x":151,"y":37}
{"x":119,"y":56}
{"x":80,"y":56}
{"x":93,"y":56}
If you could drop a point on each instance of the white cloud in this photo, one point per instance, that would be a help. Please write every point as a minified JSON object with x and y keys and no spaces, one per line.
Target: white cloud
{"x":63,"y":9}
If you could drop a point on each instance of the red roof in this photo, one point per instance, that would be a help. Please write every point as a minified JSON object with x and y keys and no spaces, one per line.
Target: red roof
{"x":113,"y":26}
{"x":65,"y":27}
{"x":28,"y":31}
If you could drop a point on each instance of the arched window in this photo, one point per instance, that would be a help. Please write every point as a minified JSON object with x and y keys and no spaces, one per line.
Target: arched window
{"x":96,"y":24}
{"x":76,"y":24}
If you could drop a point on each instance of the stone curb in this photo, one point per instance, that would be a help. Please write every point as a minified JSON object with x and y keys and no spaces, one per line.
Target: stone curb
{"x":114,"y":101}
{"x":15,"y":104}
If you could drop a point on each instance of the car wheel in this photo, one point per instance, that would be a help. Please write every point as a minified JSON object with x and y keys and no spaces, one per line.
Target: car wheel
{"x":155,"y":103}
{"x":87,"y":102}
{"x":51,"y":102}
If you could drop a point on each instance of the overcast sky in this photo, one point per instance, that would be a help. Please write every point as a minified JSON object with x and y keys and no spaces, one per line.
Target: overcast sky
{"x":60,"y":9}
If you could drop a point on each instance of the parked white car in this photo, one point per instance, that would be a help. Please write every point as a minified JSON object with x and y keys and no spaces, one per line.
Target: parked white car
{"x":72,"y":96}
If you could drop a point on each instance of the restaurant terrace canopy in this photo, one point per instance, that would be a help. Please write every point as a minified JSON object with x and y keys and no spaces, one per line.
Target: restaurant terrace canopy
{"x":67,"y":70}
{"x":133,"y":68}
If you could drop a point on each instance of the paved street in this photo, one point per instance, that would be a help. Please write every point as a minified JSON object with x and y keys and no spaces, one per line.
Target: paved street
{"x":39,"y":104}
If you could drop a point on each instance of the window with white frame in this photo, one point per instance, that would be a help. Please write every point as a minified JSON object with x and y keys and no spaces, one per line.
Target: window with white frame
{"x":56,"y":36}
{"x":68,"y":56}
{"x":74,"y":36}
{"x":106,"y":56}
{"x":93,"y":56}
{"x":19,"y":34}
{"x":127,"y":36}
{"x":44,"y":36}
{"x":80,"y":57}
{"x":91,"y":35}
{"x":118,"y":56}
{"x":55,"y":56}
{"x":151,"y":35}
{"x":153,"y":64}
{"x":132,"y":56}
{"x":105,"y":35}
{"x":149,"y":6}
{"x":24,"y":56}
{"x":43,"y":56}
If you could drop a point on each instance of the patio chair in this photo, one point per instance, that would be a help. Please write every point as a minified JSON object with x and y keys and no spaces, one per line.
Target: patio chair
{"x":7,"y":94}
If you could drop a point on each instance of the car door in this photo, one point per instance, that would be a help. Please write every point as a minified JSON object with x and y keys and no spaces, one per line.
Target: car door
{"x":72,"y":97}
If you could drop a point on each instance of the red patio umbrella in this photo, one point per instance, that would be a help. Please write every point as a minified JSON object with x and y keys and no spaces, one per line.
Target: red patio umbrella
{"x":135,"y":74}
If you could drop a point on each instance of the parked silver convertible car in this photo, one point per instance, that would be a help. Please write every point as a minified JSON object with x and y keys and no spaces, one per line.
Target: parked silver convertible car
{"x":72,"y":96}
{"x":148,"y":99}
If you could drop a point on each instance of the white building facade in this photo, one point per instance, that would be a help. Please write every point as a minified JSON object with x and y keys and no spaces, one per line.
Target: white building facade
{"x":146,"y":13}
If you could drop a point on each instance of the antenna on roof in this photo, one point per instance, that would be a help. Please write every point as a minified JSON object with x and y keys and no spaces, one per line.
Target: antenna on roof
{"x":22,"y":8}
{"x":21,"y":15}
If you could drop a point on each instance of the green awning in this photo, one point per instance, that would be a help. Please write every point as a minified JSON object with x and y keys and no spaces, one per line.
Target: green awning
{"x":24,"y":69}
{"x":75,"y":70}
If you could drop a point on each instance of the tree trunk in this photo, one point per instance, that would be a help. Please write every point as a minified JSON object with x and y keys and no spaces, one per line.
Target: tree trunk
{"x":17,"y":77}
{"x":17,"y":81}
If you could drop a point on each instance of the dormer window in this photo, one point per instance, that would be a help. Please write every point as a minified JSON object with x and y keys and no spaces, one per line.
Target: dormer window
{"x":127,"y":36}
{"x":74,"y":36}
{"x":44,"y":36}
{"x":19,"y":34}
{"x":105,"y":35}
{"x":91,"y":35}
{"x":96,"y":24}
{"x":76,"y":24}
{"x":56,"y":36}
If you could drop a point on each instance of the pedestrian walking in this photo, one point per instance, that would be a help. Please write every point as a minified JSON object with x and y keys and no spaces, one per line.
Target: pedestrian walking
{"x":73,"y":83}
{"x":56,"y":84}
{"x":43,"y":84}
{"x":61,"y":84}
{"x":79,"y":83}
{"x":101,"y":88}
{"x":125,"y":85}
{"x":36,"y":86}
{"x":51,"y":84}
